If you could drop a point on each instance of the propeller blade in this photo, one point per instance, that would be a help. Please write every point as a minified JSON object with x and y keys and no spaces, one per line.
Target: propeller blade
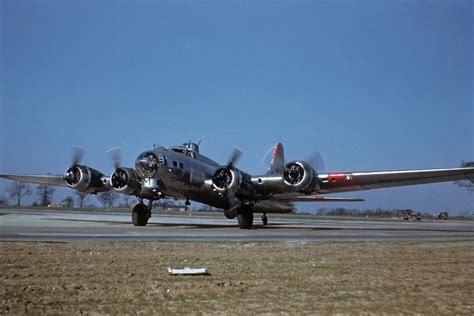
{"x":316,"y":161}
{"x":115,"y":155}
{"x":267,"y":158}
{"x":234,"y":158}
{"x":77,"y":155}
{"x":274,"y":160}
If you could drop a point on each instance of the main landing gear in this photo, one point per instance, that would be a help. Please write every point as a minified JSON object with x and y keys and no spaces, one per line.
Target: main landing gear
{"x":244,"y":214}
{"x":141,"y":213}
{"x":245,"y":217}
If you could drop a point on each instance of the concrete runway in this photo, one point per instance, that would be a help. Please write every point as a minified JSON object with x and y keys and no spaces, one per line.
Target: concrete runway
{"x":70,"y":225}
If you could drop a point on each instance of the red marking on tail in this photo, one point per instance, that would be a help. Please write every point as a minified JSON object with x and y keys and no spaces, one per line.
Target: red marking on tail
{"x":276,"y":150}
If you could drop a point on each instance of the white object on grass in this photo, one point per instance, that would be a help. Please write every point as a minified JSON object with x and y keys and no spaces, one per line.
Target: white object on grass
{"x":187,"y":271}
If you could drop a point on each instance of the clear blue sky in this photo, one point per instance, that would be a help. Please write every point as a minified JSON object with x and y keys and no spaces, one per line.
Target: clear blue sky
{"x":374,"y":85}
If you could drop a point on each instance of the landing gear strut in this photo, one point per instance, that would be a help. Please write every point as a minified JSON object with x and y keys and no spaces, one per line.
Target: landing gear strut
{"x":141,"y":213}
{"x":245,"y":217}
{"x":264,"y":219}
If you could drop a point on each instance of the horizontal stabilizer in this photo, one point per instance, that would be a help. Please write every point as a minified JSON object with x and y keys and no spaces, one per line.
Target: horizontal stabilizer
{"x":332,"y":199}
{"x":313,"y":198}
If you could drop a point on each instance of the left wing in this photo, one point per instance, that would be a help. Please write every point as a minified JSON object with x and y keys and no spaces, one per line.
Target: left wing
{"x":357,"y":181}
{"x":277,"y":188}
{"x":40,"y":179}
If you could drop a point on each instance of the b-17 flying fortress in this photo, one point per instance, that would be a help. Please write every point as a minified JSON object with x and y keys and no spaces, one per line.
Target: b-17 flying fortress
{"x":182,"y":172}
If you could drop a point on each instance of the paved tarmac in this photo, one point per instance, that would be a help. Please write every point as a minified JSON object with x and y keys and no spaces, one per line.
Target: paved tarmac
{"x":71,"y":225}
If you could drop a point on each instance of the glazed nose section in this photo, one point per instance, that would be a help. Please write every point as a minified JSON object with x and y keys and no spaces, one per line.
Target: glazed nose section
{"x":146,"y":165}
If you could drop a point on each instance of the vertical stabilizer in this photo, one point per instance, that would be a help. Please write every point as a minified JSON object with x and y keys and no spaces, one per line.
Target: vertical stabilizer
{"x":277,"y":164}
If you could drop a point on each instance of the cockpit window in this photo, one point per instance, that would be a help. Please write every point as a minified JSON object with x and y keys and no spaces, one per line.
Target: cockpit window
{"x":179,"y":150}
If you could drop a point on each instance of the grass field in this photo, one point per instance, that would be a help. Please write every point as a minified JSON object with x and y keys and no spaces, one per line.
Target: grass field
{"x":246,"y":278}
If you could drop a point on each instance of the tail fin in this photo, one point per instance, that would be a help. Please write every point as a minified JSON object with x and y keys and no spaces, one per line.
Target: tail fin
{"x":277,"y":164}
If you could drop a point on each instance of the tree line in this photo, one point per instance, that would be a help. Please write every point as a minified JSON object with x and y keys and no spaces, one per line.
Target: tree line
{"x":341,"y":211}
{"x":18,"y":191}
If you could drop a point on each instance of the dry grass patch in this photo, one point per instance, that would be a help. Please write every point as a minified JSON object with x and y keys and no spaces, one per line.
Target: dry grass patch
{"x":252,"y":277}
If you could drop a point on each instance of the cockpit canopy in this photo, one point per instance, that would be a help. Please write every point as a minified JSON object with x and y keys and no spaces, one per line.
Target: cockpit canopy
{"x":188,"y":149}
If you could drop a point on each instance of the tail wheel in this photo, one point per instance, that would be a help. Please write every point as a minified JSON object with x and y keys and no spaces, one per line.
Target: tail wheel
{"x":140,"y":215}
{"x":245,"y":218}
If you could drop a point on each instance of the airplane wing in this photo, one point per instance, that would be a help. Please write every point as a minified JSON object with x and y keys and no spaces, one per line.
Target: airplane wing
{"x":40,"y":179}
{"x":357,"y":181}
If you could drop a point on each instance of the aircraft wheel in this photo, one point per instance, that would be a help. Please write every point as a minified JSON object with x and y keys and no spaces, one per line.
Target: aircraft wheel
{"x":140,"y":215}
{"x":230,"y":214}
{"x":245,"y":218}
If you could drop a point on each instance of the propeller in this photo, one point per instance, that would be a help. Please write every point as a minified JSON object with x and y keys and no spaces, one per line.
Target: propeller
{"x":267,"y":158}
{"x":115,"y":155}
{"x":77,"y":155}
{"x":234,"y":158}
{"x":223,"y":176}
{"x":316,"y":161}
{"x":72,"y":175}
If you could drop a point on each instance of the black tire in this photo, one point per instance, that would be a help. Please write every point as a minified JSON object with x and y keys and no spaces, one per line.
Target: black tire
{"x":230,"y":214}
{"x":140,"y":215}
{"x":245,"y":218}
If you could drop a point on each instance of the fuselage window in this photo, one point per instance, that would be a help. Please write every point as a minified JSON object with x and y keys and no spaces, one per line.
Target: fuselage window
{"x":175,"y":164}
{"x":181,"y":165}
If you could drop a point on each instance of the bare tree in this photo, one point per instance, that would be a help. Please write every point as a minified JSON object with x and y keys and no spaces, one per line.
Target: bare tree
{"x":3,"y":200}
{"x":107,"y":198}
{"x":126,"y":200}
{"x":18,"y":190}
{"x":81,"y":198}
{"x":68,"y":202}
{"x":45,"y":194}
{"x":468,"y":184}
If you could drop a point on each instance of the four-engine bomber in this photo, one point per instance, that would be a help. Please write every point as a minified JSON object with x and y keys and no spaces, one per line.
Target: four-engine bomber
{"x":181,"y":172}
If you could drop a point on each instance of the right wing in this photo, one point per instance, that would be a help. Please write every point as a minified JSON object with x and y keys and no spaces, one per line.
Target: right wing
{"x":39,"y":179}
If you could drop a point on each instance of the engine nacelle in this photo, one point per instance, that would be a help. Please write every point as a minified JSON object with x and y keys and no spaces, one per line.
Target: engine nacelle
{"x":226,"y":180}
{"x":83,"y":179}
{"x":126,"y":181}
{"x":299,"y":175}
